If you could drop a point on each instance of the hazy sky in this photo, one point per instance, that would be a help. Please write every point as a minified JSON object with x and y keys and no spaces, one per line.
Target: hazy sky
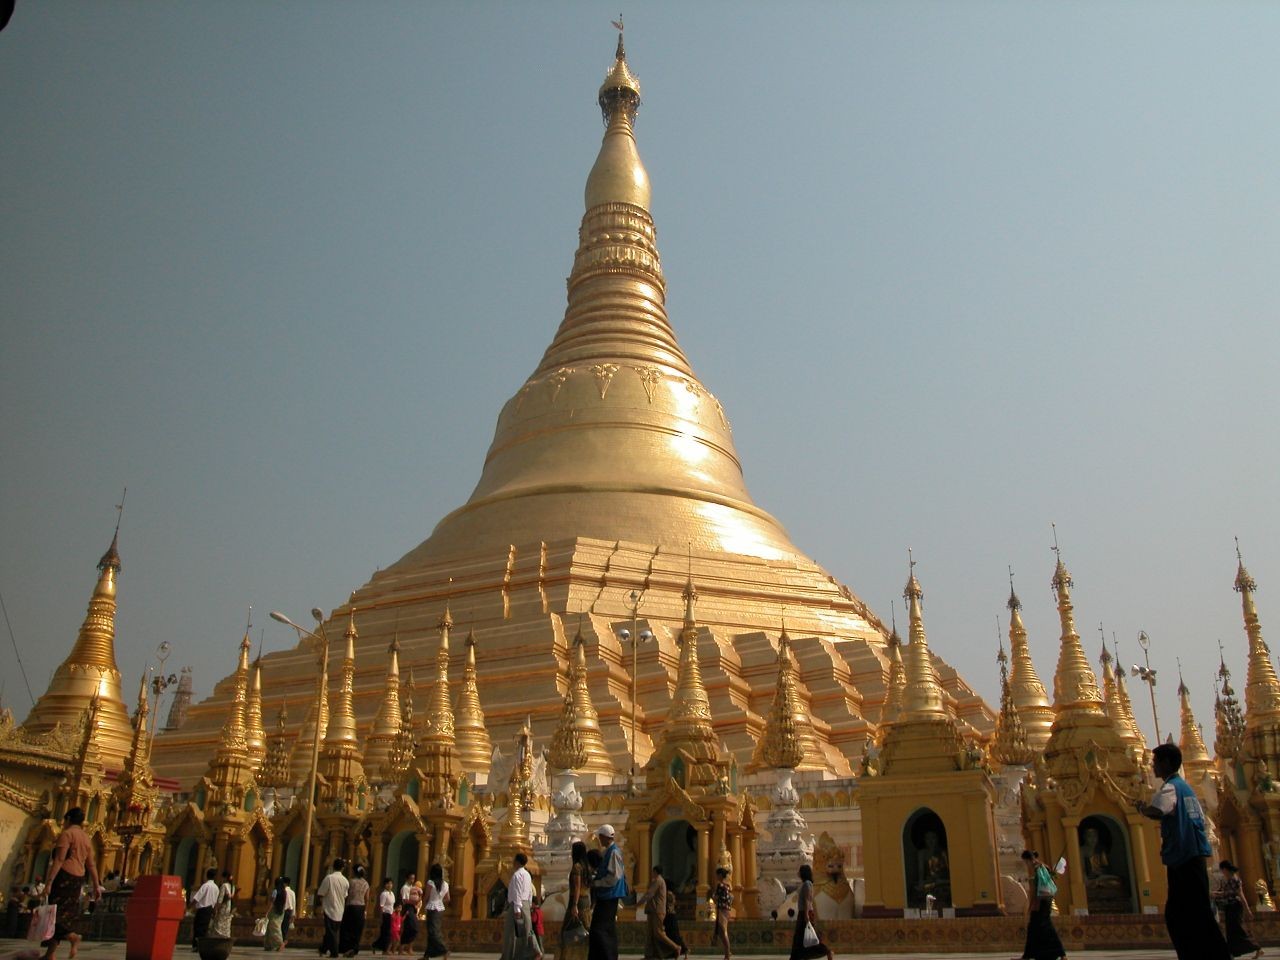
{"x":956,"y":270}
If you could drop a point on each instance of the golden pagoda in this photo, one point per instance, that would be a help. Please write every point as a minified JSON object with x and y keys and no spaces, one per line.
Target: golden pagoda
{"x":1248,"y":748}
{"x":896,"y":682}
{"x":90,"y":672}
{"x":928,"y":819}
{"x":610,"y":466}
{"x":1029,"y":696}
{"x":1080,"y":803}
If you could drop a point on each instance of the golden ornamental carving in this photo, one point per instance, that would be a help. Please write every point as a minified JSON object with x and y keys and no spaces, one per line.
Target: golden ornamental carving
{"x":567,"y":750}
{"x":650,"y":377}
{"x":557,"y":380}
{"x":604,"y":373}
{"x":781,"y":745}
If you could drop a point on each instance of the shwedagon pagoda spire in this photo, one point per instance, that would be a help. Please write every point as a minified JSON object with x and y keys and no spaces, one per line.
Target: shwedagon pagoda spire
{"x":787,"y":728}
{"x":340,"y":763}
{"x":90,"y":671}
{"x":255,"y":732}
{"x":1262,"y":688}
{"x":562,"y":519}
{"x":1009,"y":746}
{"x":923,"y":694}
{"x":1195,"y":755}
{"x":585,"y":718}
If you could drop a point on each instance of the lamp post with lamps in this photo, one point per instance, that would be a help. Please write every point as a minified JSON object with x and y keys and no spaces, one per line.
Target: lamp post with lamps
{"x":304,"y":864}
{"x":625,"y":635}
{"x":161,"y":682}
{"x":1149,"y":678}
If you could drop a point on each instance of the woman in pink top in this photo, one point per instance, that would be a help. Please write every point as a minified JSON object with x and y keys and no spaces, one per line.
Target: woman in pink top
{"x":71,"y":862}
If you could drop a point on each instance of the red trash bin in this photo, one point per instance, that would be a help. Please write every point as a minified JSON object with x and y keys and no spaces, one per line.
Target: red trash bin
{"x":151,"y":919}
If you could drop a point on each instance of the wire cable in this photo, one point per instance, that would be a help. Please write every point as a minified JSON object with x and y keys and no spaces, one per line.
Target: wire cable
{"x":14,"y":641}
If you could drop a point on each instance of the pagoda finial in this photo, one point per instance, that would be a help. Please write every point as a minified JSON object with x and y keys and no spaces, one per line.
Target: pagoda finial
{"x":1262,"y":688}
{"x":567,"y":751}
{"x":234,"y":731}
{"x":438,"y":724}
{"x":255,"y":732}
{"x":585,"y":716}
{"x":787,"y":733}
{"x":1030,"y":698}
{"x":622,"y":51}
{"x":897,"y":680}
{"x":1074,"y":685}
{"x":690,"y":715}
{"x":472,"y":743}
{"x":922,"y":695}
{"x":1009,"y":746}
{"x":381,"y":742}
{"x":1195,"y":755}
{"x":618,"y":175}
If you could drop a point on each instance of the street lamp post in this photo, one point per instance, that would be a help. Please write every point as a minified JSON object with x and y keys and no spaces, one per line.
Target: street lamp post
{"x":1149,"y":678}
{"x":625,"y":635}
{"x":304,"y":864}
{"x":160,"y":682}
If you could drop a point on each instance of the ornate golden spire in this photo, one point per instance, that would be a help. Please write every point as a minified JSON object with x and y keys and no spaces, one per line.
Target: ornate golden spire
{"x":1030,"y":698}
{"x":567,"y":751}
{"x":586,"y":720}
{"x":520,"y":790}
{"x":90,"y":670}
{"x":380,"y":745}
{"x":1229,"y":721}
{"x":474,"y":748}
{"x":342,"y":723}
{"x":782,"y":744}
{"x":1262,"y":689}
{"x":1010,"y":746}
{"x":1129,"y":729}
{"x":690,"y":715}
{"x":300,"y":760}
{"x":614,"y":379}
{"x":618,"y":175}
{"x":923,"y":694}
{"x":340,"y":764}
{"x":137,"y":766}
{"x":1195,"y":755}
{"x":897,"y":677}
{"x":407,"y":743}
{"x":1075,"y":688}
{"x":235,"y":732}
{"x":255,"y":733}
{"x":438,"y":723}
{"x":275,"y":767}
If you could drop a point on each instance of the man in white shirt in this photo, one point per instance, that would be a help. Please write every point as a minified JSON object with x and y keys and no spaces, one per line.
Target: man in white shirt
{"x":518,"y":941}
{"x":290,"y":910}
{"x":205,"y":899}
{"x":333,"y":903}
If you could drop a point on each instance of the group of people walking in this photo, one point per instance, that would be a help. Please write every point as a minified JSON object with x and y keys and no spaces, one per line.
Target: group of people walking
{"x":344,"y":902}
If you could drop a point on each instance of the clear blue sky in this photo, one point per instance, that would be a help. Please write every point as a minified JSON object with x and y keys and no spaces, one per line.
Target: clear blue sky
{"x":956,"y":270}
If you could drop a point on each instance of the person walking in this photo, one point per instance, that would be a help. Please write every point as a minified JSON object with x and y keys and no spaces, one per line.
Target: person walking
{"x":70,"y":864}
{"x":1183,"y":848}
{"x":273,"y":940}
{"x":722,"y":896}
{"x":386,"y":908}
{"x":1234,"y":906}
{"x":408,"y":926}
{"x":671,"y":925}
{"x":609,"y":884}
{"x":518,"y":941}
{"x":225,"y":911}
{"x":357,"y":903}
{"x":437,"y":900}
{"x":332,"y":897}
{"x":204,"y":901}
{"x":657,"y":945}
{"x":577,"y":913}
{"x":805,"y":915}
{"x":290,"y":909}
{"x":1042,"y":941}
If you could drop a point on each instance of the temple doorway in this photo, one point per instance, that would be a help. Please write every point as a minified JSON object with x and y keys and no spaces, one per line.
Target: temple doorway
{"x":185,"y":863}
{"x":293,"y":860}
{"x":926,"y":864}
{"x":1104,"y":852}
{"x":675,"y":850}
{"x":402,"y":856}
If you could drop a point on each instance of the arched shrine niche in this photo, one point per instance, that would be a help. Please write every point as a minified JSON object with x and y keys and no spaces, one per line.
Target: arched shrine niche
{"x":1104,"y":852}
{"x":925,"y":860}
